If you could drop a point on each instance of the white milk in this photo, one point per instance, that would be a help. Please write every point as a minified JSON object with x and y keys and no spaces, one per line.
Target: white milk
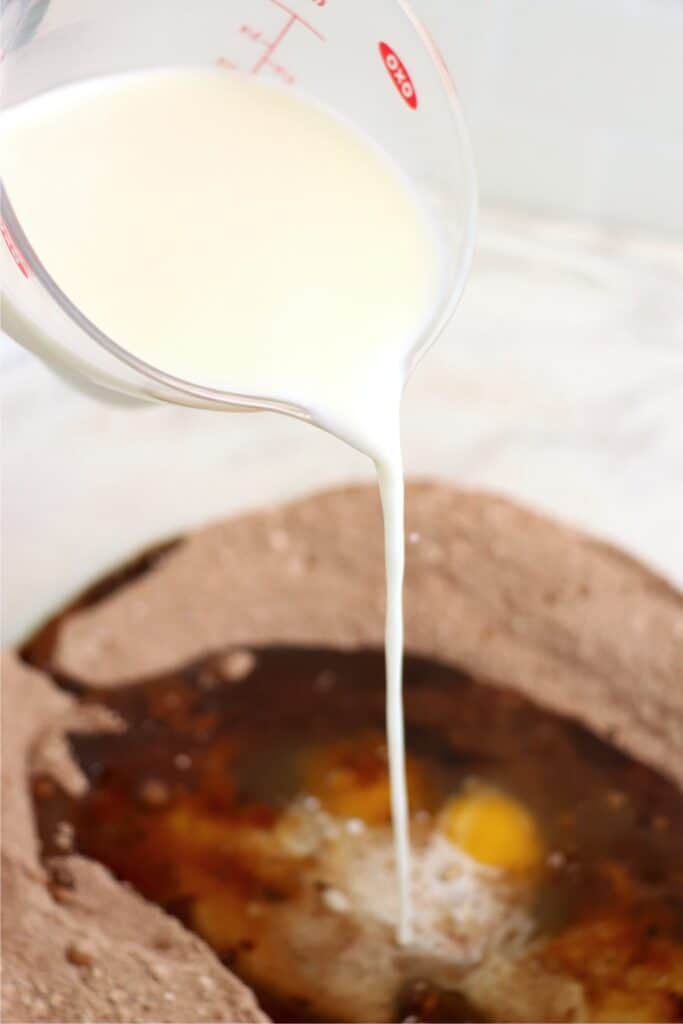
{"x":237,"y":236}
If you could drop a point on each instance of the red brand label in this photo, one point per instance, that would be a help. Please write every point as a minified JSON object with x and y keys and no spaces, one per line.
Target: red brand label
{"x":399,"y":75}
{"x":14,"y":251}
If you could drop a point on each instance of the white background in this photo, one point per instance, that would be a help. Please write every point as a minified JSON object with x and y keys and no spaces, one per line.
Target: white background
{"x":575,"y":106}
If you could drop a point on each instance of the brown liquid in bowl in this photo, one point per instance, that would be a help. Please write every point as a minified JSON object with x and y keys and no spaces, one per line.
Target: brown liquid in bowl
{"x":216,"y":751}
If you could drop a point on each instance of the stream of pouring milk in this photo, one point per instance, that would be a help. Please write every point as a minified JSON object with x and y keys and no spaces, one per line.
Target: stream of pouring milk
{"x":240,"y":237}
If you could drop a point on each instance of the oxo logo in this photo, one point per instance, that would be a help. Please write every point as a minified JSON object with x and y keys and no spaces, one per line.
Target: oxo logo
{"x":399,"y":75}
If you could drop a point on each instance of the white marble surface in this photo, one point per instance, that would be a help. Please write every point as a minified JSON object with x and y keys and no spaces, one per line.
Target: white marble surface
{"x":560,"y":382}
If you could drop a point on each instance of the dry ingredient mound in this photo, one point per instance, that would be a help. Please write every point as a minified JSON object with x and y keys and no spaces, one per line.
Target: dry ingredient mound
{"x":498,"y":590}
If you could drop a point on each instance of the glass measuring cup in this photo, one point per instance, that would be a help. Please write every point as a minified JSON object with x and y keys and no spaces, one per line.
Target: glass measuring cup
{"x":378,"y":69}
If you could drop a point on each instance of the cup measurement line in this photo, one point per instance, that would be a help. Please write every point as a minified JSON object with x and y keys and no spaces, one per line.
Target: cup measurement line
{"x":297,"y":17}
{"x":272,"y":45}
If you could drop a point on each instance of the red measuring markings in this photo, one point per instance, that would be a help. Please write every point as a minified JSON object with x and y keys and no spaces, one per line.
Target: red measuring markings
{"x":271,"y":45}
{"x":14,"y":250}
{"x":399,"y":75}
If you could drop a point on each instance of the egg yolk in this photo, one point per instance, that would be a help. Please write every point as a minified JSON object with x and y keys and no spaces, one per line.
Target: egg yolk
{"x":494,"y":829}
{"x":351,"y":780}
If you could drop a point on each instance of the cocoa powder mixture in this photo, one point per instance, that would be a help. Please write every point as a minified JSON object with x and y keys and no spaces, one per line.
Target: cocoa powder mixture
{"x":494,"y":588}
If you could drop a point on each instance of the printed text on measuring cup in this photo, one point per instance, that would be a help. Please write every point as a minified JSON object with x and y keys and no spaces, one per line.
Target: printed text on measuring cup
{"x":399,"y":75}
